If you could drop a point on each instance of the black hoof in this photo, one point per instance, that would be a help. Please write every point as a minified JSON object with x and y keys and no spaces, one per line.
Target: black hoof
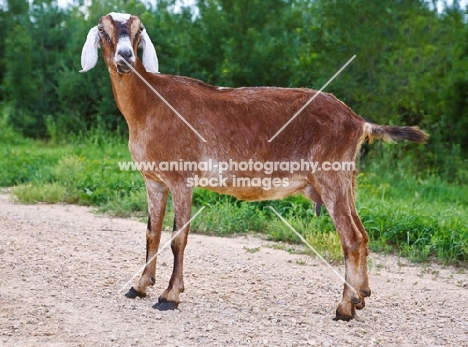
{"x":164,"y":305}
{"x":132,"y":294}
{"x":342,"y":317}
{"x":346,"y":316}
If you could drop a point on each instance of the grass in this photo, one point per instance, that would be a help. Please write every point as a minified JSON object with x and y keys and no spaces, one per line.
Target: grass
{"x":82,"y":171}
{"x":421,"y":219}
{"x":419,"y":216}
{"x":252,"y":250}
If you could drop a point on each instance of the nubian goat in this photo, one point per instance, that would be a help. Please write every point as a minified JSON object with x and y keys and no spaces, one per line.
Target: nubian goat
{"x":237,"y":124}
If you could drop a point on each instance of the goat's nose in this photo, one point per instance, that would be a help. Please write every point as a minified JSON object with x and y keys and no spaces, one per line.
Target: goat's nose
{"x":127,"y":54}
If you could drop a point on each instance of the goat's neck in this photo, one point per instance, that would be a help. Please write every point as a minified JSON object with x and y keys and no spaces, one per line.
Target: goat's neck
{"x":131,"y":95}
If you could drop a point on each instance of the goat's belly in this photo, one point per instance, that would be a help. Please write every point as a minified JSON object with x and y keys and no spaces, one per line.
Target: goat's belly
{"x":260,"y":190}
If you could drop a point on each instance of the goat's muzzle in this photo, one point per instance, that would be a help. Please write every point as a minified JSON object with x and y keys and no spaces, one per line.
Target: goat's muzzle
{"x":124,"y":58}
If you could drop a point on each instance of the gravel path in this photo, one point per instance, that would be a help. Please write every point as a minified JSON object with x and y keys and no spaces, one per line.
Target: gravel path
{"x":61,"y":268}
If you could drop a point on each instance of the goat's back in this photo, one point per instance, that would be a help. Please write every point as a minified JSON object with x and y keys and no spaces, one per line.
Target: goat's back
{"x":238,"y":122}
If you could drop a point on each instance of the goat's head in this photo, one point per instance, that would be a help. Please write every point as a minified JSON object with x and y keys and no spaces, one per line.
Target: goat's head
{"x":119,"y":35}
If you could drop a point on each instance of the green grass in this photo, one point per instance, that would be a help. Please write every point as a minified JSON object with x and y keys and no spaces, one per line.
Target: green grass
{"x":85,"y":171}
{"x":419,"y":216}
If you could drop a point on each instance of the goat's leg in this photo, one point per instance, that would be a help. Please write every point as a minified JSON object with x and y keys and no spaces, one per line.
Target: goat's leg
{"x":340,"y":204}
{"x":182,"y":199}
{"x":364,"y":252}
{"x":157,"y":199}
{"x":364,"y":289}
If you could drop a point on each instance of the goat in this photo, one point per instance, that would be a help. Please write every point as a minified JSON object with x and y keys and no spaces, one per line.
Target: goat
{"x":237,"y":124}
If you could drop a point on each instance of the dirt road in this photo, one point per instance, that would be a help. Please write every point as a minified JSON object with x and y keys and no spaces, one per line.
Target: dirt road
{"x":61,"y":268}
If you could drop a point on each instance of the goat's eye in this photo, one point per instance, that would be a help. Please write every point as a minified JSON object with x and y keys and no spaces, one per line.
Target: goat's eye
{"x":101,"y":30}
{"x":141,"y":29}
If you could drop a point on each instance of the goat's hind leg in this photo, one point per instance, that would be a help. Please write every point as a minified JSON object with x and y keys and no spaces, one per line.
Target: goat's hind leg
{"x":339,"y":204}
{"x":157,"y":199}
{"x":364,"y":289}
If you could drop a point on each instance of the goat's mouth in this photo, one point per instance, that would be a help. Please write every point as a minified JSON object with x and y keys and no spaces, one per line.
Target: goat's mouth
{"x":123,"y":68}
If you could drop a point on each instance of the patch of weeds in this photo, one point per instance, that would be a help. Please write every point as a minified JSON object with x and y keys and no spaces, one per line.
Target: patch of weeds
{"x":251,"y":250}
{"x":291,"y":250}
{"x":426,"y":268}
{"x":379,"y":266}
{"x":132,"y":205}
{"x":227,"y":218}
{"x":49,"y":192}
{"x":277,"y":246}
{"x":69,"y":171}
{"x":327,"y":244}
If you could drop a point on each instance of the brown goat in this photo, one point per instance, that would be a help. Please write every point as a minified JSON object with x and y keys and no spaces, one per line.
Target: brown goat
{"x":237,"y":125}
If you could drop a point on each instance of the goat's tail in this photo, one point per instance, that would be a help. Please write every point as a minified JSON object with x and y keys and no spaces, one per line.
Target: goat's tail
{"x":393,"y":134}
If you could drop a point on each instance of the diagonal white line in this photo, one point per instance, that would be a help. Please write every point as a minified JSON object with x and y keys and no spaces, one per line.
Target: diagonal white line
{"x":162,"y":248}
{"x":308,"y":102}
{"x":313,"y":249}
{"x":164,"y":100}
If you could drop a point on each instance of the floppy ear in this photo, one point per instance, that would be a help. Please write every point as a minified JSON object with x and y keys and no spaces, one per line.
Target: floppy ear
{"x":89,"y":55}
{"x":150,"y":59}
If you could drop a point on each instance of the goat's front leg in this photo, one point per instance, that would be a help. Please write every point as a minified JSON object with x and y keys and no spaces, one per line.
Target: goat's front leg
{"x":182,"y":200}
{"x":157,"y":199}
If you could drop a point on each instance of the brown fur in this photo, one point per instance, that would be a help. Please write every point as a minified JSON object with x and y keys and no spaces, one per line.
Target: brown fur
{"x":237,"y":124}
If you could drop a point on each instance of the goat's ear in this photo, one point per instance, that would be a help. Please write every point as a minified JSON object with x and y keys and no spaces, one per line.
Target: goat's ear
{"x":150,"y":59}
{"x":89,"y":55}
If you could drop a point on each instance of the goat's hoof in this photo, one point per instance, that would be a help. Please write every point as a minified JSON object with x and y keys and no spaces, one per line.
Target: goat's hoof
{"x":346,"y":318}
{"x":361,"y":304}
{"x":164,"y":305}
{"x":366,"y":292}
{"x":133,"y":293}
{"x":345,"y":312}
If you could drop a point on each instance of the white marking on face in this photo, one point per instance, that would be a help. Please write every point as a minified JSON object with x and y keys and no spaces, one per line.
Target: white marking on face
{"x":120,"y":17}
{"x":123,"y":44}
